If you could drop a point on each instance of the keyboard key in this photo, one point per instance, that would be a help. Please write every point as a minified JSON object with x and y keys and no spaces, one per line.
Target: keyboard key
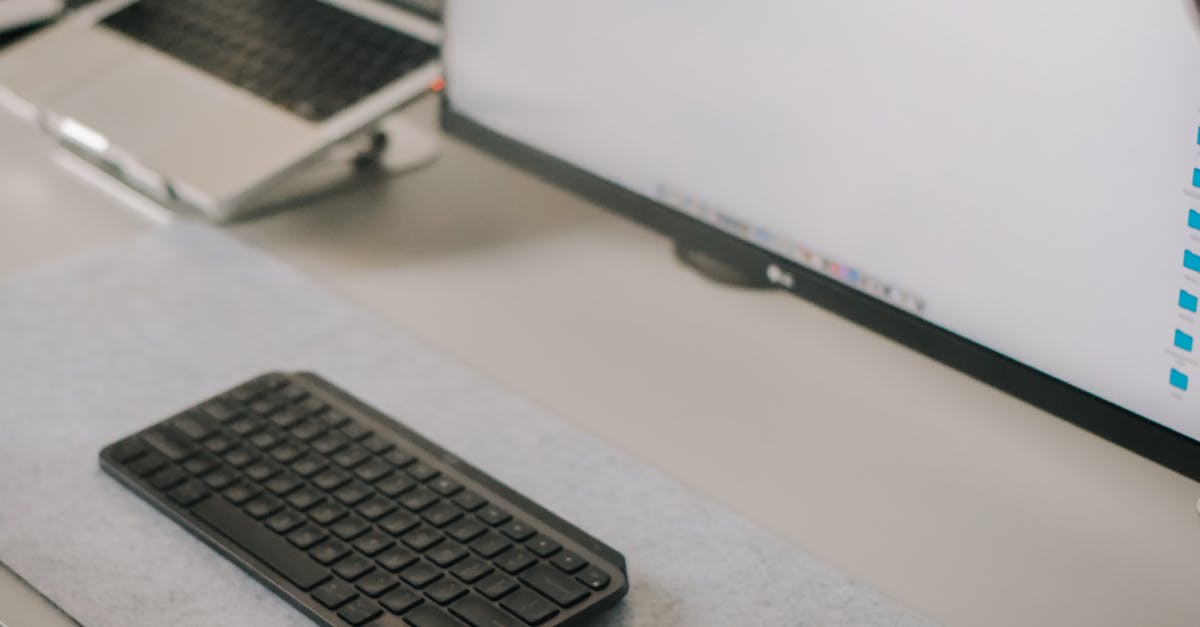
{"x":196,"y":427}
{"x":373,"y":542}
{"x":285,"y":521}
{"x":373,"y":470}
{"x":304,"y":498}
{"x":551,"y":582}
{"x":446,"y":554}
{"x":422,"y":538}
{"x":376,"y":583}
{"x":349,"y":527}
{"x":327,"y":513}
{"x":490,"y":544}
{"x":352,"y":567}
{"x":240,"y":493}
{"x":472,"y":569}
{"x":399,"y":458}
{"x":335,"y":594}
{"x":262,"y":470}
{"x":466,"y":529}
{"x":421,"y":574}
{"x":129,"y":449}
{"x":375,"y":508}
{"x":493,"y":515}
{"x":288,"y":418}
{"x":517,"y":530}
{"x":335,"y":419}
{"x":219,"y":411}
{"x":202,"y":463}
{"x":313,"y":405}
{"x":395,"y":484}
{"x":377,"y":445}
{"x":445,"y":591}
{"x":353,"y":493}
{"x":445,"y":486}
{"x":359,"y":611}
{"x":469,"y":500}
{"x":442,"y":514}
{"x":309,"y":465}
{"x":306,"y":536}
{"x":267,"y":439}
{"x":543,"y":546}
{"x":399,"y":523}
{"x":170,"y":443}
{"x":422,"y":471}
{"x":351,"y":456}
{"x":168,"y":478}
{"x":263,"y":506}
{"x":329,"y":551}
{"x":221,"y":478}
{"x":400,"y":600}
{"x":245,"y":426}
{"x":219,"y":444}
{"x":480,"y":613}
{"x":330,"y":443}
{"x":287,"y":452}
{"x":496,"y":586}
{"x":283,"y":484}
{"x":594,"y":578}
{"x":431,"y":616}
{"x":568,"y":561}
{"x":356,"y":431}
{"x":240,"y":457}
{"x":396,"y":558}
{"x":257,"y":540}
{"x":515,"y":560}
{"x":331,"y":479}
{"x":308,"y":430}
{"x":529,"y":605}
{"x":418,"y":499}
{"x":189,"y":493}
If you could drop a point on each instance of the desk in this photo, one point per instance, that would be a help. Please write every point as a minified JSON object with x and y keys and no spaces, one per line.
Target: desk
{"x":959,"y":501}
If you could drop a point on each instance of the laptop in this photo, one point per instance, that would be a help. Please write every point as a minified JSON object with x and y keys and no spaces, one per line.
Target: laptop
{"x":208,"y":103}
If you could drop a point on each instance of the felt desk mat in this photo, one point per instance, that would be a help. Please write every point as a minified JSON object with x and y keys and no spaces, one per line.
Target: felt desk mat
{"x":95,"y":348}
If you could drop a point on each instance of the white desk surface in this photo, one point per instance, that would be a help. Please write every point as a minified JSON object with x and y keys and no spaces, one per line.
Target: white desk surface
{"x":959,"y":501}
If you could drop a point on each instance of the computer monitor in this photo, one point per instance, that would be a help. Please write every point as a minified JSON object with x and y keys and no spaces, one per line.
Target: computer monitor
{"x":1010,"y":187}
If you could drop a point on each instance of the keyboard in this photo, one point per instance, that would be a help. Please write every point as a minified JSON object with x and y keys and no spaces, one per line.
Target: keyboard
{"x":357,"y":520}
{"x":306,"y":56}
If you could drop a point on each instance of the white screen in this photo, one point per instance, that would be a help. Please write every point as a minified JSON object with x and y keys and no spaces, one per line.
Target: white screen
{"x":1018,"y":172}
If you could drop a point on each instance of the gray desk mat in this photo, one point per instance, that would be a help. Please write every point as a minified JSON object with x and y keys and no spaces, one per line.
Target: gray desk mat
{"x":97,"y":347}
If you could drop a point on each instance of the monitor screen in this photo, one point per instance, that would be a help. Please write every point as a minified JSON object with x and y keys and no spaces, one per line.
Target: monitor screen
{"x":1023,"y":174}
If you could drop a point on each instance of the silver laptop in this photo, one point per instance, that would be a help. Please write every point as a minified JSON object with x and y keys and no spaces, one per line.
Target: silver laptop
{"x":207,"y":103}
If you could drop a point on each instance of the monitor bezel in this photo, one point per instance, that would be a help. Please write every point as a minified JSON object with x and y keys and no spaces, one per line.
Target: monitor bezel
{"x":1112,"y":422}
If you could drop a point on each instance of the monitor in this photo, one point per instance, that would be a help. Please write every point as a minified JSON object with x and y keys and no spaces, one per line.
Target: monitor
{"x":1010,"y":187}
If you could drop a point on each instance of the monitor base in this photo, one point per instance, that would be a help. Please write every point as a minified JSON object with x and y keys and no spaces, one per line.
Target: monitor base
{"x":720,"y":271}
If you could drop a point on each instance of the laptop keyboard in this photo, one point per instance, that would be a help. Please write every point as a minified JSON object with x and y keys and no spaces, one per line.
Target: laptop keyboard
{"x":357,"y":521}
{"x":309,"y":57}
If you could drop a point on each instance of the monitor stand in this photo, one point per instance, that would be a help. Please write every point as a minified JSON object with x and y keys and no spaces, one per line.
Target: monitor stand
{"x":719,"y":270}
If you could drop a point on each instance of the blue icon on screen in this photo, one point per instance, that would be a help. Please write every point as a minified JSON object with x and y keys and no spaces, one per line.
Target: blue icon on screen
{"x":1191,"y":261}
{"x":1183,"y":341}
{"x":1179,"y":380}
{"x":1188,"y":301}
{"x":1194,"y":219}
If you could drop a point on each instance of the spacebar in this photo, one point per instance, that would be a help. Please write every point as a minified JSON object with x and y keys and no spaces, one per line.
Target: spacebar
{"x":260,"y":542}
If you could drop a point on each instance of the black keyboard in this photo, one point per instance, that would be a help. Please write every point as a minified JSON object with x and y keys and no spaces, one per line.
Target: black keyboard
{"x":356,"y":520}
{"x":309,"y":57}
